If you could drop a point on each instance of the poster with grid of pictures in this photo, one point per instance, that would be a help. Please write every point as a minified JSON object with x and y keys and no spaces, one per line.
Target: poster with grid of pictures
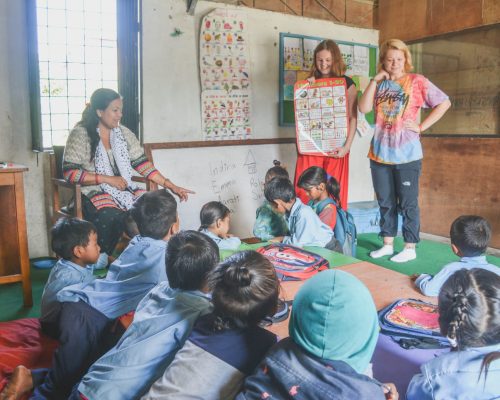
{"x":226,"y":116}
{"x":225,"y":76}
{"x":321,"y":115}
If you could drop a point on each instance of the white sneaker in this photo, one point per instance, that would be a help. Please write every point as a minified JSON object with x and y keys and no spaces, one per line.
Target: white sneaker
{"x":407,"y":254}
{"x":385,"y":250}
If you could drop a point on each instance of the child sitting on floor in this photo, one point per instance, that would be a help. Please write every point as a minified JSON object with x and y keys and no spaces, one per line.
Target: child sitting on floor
{"x":333,"y":332}
{"x":86,"y":324}
{"x":469,"y":315}
{"x":324,"y":193}
{"x":227,"y":344}
{"x":268,"y":223}
{"x":75,"y":241}
{"x":215,"y":219}
{"x":306,"y":229}
{"x":140,"y":267}
{"x":162,"y":322}
{"x":469,"y":236}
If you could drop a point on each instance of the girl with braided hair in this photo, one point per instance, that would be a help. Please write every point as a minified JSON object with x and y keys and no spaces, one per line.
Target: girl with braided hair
{"x":469,"y":315}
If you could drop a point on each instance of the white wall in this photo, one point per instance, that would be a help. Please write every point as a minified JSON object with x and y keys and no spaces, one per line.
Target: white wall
{"x":171,"y":87}
{"x":15,"y":134}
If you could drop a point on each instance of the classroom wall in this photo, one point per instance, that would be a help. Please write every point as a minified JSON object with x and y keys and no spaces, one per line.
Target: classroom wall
{"x":460,"y":176}
{"x":171,"y":88}
{"x":411,"y":20}
{"x":15,"y":135}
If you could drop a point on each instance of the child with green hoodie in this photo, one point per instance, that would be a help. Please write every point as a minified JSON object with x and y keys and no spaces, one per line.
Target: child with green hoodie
{"x":333,"y":334}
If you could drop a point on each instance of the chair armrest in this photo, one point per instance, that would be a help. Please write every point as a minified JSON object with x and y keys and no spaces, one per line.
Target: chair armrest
{"x":63,"y":183}
{"x":140,"y":179}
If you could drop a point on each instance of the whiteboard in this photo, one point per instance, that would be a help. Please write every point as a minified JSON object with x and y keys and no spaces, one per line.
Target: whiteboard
{"x":233,"y":175}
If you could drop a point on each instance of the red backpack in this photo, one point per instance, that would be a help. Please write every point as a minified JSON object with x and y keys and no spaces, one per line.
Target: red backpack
{"x":293,"y":263}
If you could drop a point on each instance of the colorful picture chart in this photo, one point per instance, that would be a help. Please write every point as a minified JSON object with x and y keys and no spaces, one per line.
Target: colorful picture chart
{"x":225,"y":76}
{"x":226,"y":116}
{"x":321,"y":115}
{"x":224,"y":63}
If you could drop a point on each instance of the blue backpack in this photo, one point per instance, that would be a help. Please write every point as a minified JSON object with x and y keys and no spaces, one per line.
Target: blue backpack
{"x":345,"y":228}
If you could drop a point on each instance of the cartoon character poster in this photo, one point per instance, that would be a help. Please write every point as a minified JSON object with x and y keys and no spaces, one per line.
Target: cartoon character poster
{"x":321,"y":115}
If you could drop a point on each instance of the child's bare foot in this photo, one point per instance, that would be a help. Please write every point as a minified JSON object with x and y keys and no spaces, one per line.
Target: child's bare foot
{"x":20,"y":383}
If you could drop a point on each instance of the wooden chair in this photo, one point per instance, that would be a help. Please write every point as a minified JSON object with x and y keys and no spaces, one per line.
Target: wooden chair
{"x":74,"y":207}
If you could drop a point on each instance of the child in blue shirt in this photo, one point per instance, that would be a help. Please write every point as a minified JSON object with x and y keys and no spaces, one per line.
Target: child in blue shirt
{"x":162,"y":322}
{"x":470,"y":235}
{"x":140,"y":267}
{"x":215,"y":219}
{"x":227,"y":344}
{"x":469,"y":315}
{"x":306,"y":229}
{"x":268,"y":223}
{"x":75,"y":242}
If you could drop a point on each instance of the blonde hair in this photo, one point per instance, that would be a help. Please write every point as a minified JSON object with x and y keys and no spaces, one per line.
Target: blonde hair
{"x":338,"y":64}
{"x":395,"y":44}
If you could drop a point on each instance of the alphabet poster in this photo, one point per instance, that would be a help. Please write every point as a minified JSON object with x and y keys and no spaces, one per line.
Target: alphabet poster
{"x":225,"y":75}
{"x":321,"y":115}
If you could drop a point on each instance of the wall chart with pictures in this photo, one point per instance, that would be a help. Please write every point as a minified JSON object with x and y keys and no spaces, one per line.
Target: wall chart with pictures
{"x":225,"y":76}
{"x":296,"y":61}
{"x":322,"y":114}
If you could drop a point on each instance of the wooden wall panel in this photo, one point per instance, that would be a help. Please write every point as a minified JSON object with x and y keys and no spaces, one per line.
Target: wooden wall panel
{"x":460,"y":176}
{"x":417,"y":19}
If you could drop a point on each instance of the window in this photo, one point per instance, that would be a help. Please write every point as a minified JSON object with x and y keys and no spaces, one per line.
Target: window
{"x":73,"y":51}
{"x":466,"y":66}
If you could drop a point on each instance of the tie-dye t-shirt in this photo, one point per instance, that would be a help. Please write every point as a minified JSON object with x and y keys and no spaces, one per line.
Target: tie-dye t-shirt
{"x":396,"y":102}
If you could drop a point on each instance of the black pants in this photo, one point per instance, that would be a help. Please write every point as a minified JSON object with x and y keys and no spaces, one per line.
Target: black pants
{"x":109,"y":222}
{"x":396,"y":187}
{"x":84,"y":334}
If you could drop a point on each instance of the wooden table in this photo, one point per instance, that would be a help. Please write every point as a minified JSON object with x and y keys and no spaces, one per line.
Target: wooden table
{"x":14,"y":259}
{"x":385,"y":286}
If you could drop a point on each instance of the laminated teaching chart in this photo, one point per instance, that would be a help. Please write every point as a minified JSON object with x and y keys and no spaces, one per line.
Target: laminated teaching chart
{"x":225,"y":76}
{"x":321,"y":115}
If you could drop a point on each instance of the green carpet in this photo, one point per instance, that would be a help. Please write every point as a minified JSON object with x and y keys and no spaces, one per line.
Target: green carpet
{"x":431,"y":256}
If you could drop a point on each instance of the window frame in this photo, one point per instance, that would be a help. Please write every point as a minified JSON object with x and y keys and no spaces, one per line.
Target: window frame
{"x":128,"y":67}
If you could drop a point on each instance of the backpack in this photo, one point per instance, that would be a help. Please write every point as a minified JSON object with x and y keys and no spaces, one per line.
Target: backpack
{"x":293,"y":263}
{"x":412,"y":324}
{"x":345,"y":229}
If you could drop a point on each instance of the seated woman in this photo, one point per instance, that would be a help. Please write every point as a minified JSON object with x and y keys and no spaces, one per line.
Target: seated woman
{"x":100,"y":155}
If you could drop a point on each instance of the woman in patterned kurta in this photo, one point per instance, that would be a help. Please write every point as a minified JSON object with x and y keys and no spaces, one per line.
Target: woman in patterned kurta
{"x":396,"y":152}
{"x":100,"y":155}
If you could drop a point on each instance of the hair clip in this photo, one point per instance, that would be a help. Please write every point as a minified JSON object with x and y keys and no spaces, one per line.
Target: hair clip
{"x":453,"y":342}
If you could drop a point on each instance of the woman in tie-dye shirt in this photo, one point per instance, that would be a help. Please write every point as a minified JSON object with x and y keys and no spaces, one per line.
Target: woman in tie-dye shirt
{"x":396,"y":152}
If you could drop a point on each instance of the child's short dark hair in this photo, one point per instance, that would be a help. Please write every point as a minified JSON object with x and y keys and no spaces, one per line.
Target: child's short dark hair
{"x":211,"y":212}
{"x":470,"y":234}
{"x":67,"y":233}
{"x":279,"y":189}
{"x":190,"y":256}
{"x":155,"y":213}
{"x":244,"y":288}
{"x":276,"y":172}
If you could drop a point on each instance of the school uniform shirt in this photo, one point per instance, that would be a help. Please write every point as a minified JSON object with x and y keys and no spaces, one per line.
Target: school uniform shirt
{"x":139,"y":268}
{"x":396,"y":102}
{"x":231,"y":243}
{"x":455,"y":375}
{"x":212,"y":364}
{"x":328,"y":214}
{"x":430,"y":285}
{"x":268,"y":223}
{"x":306,"y":229}
{"x":63,"y":274}
{"x":161,"y":325}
